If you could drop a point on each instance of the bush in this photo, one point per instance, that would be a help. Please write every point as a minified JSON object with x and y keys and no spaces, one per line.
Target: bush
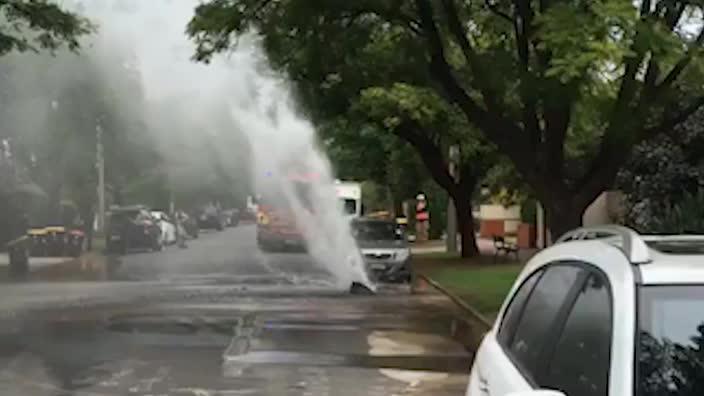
{"x":662,"y":174}
{"x":685,"y":217}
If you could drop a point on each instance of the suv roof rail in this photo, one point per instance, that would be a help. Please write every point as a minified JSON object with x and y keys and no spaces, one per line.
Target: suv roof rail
{"x":632,"y":245}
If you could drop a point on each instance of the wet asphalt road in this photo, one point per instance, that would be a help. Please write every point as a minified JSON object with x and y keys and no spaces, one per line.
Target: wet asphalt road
{"x":221,"y":318}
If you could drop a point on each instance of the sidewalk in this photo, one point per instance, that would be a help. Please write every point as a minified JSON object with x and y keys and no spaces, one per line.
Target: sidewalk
{"x":90,"y":266}
{"x":434,"y":246}
{"x":486,"y":248}
{"x":36,"y":262}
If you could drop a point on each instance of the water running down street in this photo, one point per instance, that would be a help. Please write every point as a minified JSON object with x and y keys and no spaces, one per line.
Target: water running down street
{"x":220,"y":318}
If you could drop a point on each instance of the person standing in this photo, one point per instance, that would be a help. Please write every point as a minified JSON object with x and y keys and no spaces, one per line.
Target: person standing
{"x":422,"y":218}
{"x":180,"y":218}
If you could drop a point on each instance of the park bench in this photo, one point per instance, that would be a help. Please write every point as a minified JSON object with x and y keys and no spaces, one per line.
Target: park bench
{"x":502,"y":246}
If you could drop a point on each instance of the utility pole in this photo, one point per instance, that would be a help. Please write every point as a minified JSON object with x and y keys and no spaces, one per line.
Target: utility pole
{"x":100,"y":165}
{"x":451,"y":239}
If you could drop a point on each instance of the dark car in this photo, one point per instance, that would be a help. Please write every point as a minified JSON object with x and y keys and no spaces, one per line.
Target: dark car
{"x":131,"y":227}
{"x":384,"y":249}
{"x":232,"y":217}
{"x":211,"y":220}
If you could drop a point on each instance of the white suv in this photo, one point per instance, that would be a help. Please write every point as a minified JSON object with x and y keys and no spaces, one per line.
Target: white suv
{"x":604,"y":311}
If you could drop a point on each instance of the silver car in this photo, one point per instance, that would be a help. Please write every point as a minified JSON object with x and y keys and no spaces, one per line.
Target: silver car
{"x":384,"y":248}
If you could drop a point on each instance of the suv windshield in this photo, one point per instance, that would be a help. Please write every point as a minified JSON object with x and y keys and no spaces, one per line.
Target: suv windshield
{"x":671,"y":344}
{"x":375,"y":231}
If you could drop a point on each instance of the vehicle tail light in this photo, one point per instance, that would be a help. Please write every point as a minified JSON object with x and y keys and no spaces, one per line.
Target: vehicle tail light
{"x":262,"y":218}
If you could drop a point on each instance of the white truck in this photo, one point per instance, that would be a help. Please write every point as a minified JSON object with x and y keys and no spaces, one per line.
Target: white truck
{"x":350,"y":196}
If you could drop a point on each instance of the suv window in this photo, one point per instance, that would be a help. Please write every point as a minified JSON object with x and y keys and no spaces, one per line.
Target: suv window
{"x":581,"y":360}
{"x":515,"y":308}
{"x":671,"y":340}
{"x":539,"y":314}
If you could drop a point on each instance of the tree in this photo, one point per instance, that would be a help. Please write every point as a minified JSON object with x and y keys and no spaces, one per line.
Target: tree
{"x":362,"y":71}
{"x":427,"y":123}
{"x":563,"y":89}
{"x":53,"y":125}
{"x":28,"y":26}
{"x":663,"y":180}
{"x":39,"y":24}
{"x":391,"y":168}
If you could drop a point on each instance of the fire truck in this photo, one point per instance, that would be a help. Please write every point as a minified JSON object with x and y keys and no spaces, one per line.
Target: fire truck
{"x":276,"y":220}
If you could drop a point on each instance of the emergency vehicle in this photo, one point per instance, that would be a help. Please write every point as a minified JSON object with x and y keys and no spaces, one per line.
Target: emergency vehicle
{"x":276,"y":220}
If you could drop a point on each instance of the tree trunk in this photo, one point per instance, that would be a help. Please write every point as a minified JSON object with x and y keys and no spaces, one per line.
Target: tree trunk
{"x":465,"y":223}
{"x":563,"y":217}
{"x":88,"y":216}
{"x":117,"y":196}
{"x":52,"y":212}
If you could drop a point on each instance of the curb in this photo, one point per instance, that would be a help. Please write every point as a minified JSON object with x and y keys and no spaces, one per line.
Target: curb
{"x":468,"y":309}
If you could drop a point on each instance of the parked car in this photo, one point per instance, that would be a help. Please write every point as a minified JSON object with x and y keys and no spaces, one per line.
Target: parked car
{"x":168,"y":228}
{"x":605,"y":311}
{"x":384,"y":249}
{"x":132,"y":227}
{"x":211,"y":220}
{"x":248,"y":215}
{"x":231,"y":217}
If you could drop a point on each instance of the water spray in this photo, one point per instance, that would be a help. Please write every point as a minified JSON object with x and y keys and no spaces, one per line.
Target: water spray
{"x":283,"y":142}
{"x":242,"y":92}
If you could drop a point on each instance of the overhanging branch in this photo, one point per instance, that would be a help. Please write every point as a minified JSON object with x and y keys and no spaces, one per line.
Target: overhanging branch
{"x":679,"y":67}
{"x":669,"y":123}
{"x":429,"y":152}
{"x":493,"y":7}
{"x":391,"y":13}
{"x":508,"y":136}
{"x":458,"y":31}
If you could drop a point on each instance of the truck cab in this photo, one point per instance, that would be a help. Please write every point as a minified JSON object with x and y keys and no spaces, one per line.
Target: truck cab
{"x":349,"y":195}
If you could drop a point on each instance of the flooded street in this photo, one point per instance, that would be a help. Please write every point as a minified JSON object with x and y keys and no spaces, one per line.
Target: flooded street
{"x":221,"y":318}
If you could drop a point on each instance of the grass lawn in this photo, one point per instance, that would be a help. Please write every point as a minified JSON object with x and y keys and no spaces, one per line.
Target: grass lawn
{"x":478,"y":281}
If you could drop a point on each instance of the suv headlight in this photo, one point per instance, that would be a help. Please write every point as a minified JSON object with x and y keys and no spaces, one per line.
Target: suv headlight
{"x":402,"y":254}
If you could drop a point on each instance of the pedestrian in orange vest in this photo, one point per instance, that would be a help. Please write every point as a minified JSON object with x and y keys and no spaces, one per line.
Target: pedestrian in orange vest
{"x":422,"y":218}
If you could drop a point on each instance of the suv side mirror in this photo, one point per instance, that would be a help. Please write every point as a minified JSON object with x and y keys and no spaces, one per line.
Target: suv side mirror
{"x":538,"y":392}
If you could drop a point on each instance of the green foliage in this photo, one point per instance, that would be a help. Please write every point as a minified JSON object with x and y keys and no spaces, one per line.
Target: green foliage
{"x":39,"y":24}
{"x":404,"y":102}
{"x":357,"y":151}
{"x":375,"y":197}
{"x":529,"y":211}
{"x":503,"y":185}
{"x":585,"y":36}
{"x":663,"y":174}
{"x":684,"y":217}
{"x":564,"y":89}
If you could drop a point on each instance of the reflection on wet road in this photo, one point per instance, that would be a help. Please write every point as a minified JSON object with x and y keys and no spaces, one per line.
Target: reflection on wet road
{"x":220,"y":318}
